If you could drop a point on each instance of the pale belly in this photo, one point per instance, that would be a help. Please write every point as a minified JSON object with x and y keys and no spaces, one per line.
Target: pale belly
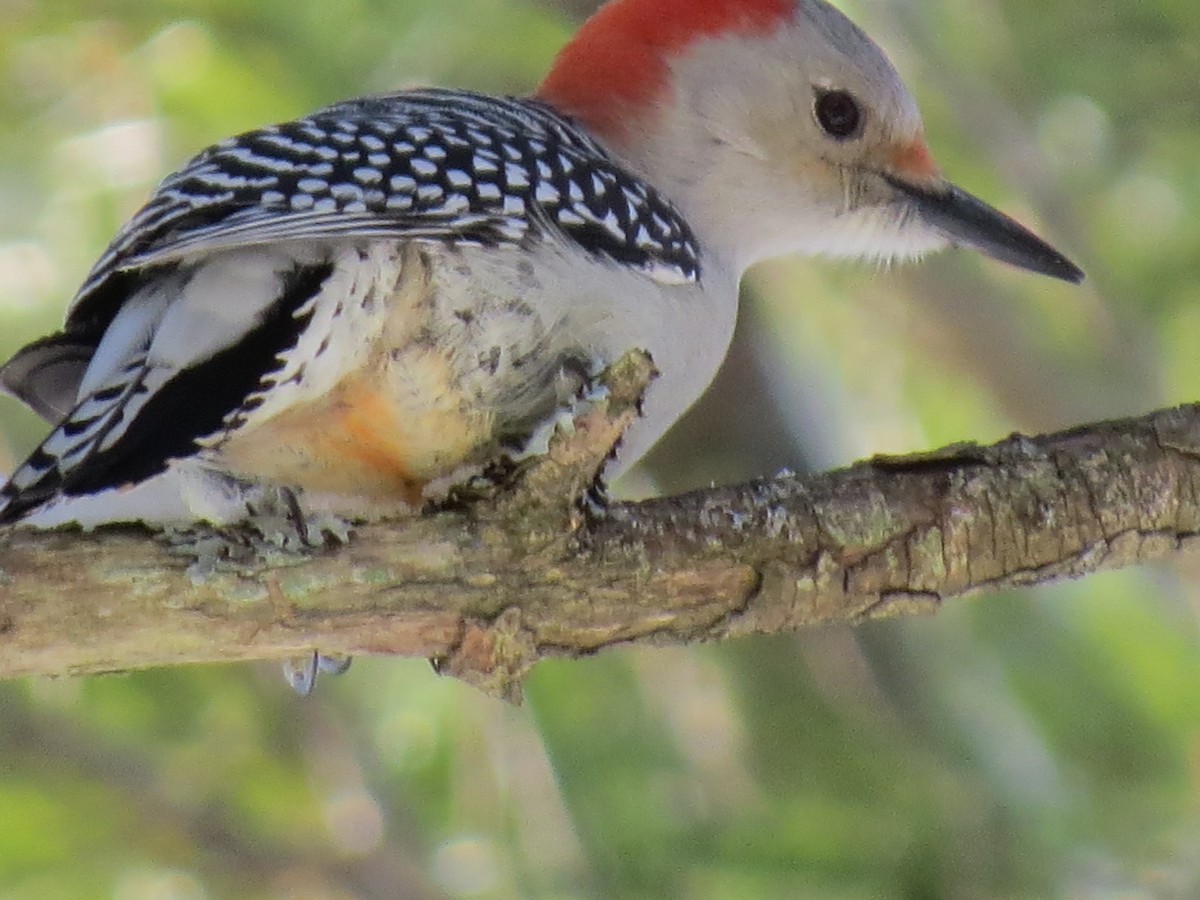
{"x":432,"y":367}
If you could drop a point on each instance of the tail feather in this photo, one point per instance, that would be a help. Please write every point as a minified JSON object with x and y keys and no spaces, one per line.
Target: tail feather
{"x":93,"y":426}
{"x":148,"y":412}
{"x":46,"y":374}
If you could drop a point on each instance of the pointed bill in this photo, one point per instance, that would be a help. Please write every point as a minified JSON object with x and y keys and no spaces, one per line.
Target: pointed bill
{"x":967,"y":221}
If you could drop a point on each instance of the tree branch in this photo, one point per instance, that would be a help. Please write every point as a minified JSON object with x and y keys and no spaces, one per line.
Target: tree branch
{"x":490,"y":588}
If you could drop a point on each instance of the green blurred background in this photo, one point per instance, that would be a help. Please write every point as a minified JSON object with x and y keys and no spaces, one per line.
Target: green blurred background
{"x":1041,"y":744}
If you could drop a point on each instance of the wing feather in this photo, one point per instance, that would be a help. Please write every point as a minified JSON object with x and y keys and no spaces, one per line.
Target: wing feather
{"x":420,"y":165}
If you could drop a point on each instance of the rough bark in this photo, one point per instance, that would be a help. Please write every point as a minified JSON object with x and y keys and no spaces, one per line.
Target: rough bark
{"x":491,"y":587}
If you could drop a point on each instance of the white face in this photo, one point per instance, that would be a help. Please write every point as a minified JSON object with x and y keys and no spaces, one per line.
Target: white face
{"x":806,"y":141}
{"x":789,"y":143}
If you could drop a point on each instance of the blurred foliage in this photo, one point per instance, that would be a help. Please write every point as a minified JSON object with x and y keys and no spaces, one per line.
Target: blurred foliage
{"x":1037,"y":745}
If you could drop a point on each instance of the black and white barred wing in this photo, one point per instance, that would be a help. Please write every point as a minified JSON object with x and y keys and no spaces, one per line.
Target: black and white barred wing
{"x":439,"y":165}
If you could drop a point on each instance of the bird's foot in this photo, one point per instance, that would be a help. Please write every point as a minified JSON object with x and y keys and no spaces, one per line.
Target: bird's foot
{"x":274,"y":532}
{"x":301,"y":672}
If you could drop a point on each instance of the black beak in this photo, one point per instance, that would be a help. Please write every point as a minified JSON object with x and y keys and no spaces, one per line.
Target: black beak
{"x":967,"y":221}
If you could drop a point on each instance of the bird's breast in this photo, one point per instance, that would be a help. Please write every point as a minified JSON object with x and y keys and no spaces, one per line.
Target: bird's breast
{"x":418,"y":363}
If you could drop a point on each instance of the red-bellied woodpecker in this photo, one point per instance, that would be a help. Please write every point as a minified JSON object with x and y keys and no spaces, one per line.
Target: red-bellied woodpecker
{"x":368,"y":302}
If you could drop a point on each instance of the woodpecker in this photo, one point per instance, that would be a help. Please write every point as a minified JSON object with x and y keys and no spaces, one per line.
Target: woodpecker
{"x":364,"y":304}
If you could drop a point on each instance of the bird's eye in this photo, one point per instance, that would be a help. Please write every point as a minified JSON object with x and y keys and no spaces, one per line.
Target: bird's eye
{"x":838,"y":114}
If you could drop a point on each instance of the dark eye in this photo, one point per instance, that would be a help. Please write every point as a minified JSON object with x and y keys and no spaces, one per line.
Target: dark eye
{"x":839,"y":114}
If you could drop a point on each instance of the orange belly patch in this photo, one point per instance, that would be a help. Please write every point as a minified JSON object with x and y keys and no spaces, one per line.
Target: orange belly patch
{"x":383,"y":433}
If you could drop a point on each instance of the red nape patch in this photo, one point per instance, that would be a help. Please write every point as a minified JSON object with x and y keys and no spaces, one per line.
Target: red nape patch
{"x":618,"y":62}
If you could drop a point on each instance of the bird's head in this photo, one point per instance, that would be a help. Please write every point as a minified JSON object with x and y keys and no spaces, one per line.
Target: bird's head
{"x":778,"y":127}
